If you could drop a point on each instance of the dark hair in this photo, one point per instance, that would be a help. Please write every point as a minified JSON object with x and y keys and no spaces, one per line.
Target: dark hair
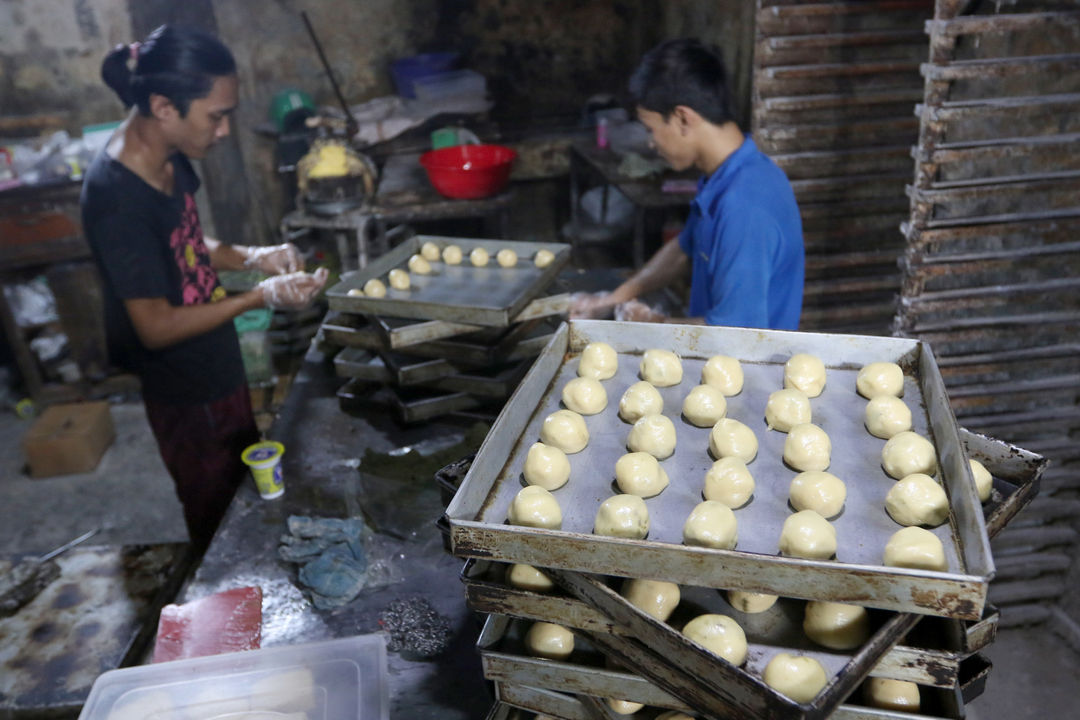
{"x":176,"y":62}
{"x":683,"y":72}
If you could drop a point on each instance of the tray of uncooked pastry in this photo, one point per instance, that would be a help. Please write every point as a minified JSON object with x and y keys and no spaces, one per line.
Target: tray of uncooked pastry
{"x":461,"y":280}
{"x":523,"y":654}
{"x":816,"y":508}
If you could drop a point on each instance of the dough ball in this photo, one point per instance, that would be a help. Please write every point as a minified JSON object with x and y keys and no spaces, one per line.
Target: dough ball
{"x":720,"y":635}
{"x":891,"y":694}
{"x":800,"y":678}
{"x":451,"y":255}
{"x":674,"y":715}
{"x":786,"y":409}
{"x":548,"y":640}
{"x":906,"y":453}
{"x":655,"y":597}
{"x":526,"y":577}
{"x":805,"y":372}
{"x":729,"y":481}
{"x":638,"y":473}
{"x":584,"y":396}
{"x":880,"y":378}
{"x":375,"y":288}
{"x":724,"y":373}
{"x":662,"y":368}
{"x":984,"y":481}
{"x":704,"y":405}
{"x":566,"y":430}
{"x":917,"y":500}
{"x":355,"y":292}
{"x":599,"y":361}
{"x":639,"y":400}
{"x":711,"y":524}
{"x":543,"y":258}
{"x":546,"y":466}
{"x":479,"y":257}
{"x":622,"y":516}
{"x":534,"y":506}
{"x":807,"y":447}
{"x":399,"y":279}
{"x":750,"y":602}
{"x":506,"y":258}
{"x":623,"y":707}
{"x":816,"y":490}
{"x":837,"y":626}
{"x":654,"y":434}
{"x":418,"y":264}
{"x":430,"y":251}
{"x":914,"y":547}
{"x":808,"y":535}
{"x":886,"y":416}
{"x":730,"y":438}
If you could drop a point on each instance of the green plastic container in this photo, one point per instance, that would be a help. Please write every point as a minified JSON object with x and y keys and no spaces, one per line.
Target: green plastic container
{"x":253,"y":330}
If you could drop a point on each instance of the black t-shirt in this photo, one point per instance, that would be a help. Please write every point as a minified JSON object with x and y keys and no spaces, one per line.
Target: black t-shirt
{"x":147,"y":245}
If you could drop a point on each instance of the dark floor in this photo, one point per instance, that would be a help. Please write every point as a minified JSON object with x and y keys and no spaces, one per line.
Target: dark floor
{"x":1035,"y":674}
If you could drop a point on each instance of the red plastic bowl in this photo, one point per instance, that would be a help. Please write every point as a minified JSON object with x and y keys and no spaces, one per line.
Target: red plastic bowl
{"x":469,"y":172}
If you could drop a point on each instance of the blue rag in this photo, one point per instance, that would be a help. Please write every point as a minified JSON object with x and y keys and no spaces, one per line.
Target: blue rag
{"x":330,"y":552}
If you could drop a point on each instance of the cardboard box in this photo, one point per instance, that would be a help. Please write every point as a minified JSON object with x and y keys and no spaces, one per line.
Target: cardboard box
{"x":68,"y":439}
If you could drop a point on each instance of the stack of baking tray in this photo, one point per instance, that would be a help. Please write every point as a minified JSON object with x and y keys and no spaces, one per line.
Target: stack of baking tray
{"x":459,"y":337}
{"x":927,"y":625}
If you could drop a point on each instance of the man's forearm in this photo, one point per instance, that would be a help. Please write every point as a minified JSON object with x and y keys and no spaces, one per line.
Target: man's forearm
{"x":662,"y":269}
{"x":226,"y":257}
{"x":160,"y":324}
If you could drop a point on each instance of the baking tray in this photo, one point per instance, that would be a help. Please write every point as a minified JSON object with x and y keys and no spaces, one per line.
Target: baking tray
{"x":478,"y":511}
{"x":497,"y":383}
{"x":401,"y":333}
{"x":489,"y":296}
{"x":505,"y":661}
{"x":362,"y":365}
{"x":934,"y":659}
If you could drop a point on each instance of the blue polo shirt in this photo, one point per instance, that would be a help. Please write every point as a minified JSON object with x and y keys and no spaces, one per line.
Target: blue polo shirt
{"x":744,"y":238}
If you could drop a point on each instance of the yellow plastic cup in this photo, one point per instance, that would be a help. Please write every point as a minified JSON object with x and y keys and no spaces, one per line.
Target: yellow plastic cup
{"x":264,"y":459}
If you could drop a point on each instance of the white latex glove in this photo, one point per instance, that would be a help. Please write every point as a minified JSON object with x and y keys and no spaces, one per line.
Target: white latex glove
{"x":637,"y":311}
{"x":274,"y":259}
{"x":294,"y":291}
{"x":591,"y":305}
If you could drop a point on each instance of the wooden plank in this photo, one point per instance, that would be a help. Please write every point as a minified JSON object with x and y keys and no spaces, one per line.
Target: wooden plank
{"x":999,"y":23}
{"x":967,"y":109}
{"x":840,"y":100}
{"x":995,"y":148}
{"x":1001,"y":67}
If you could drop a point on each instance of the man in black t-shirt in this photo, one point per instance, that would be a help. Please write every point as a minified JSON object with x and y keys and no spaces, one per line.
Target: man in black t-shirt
{"x":167,"y":318}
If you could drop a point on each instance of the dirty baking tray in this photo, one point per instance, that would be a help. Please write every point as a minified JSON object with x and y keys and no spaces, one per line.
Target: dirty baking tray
{"x":401,"y":333}
{"x":932,"y":658}
{"x":477,"y":514}
{"x":489,"y":296}
{"x":505,"y":661}
{"x":362,"y":365}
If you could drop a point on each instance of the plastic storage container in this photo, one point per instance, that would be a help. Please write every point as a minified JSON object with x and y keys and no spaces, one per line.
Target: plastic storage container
{"x":408,"y":70}
{"x":252,"y":329}
{"x":343,"y":679}
{"x":458,"y":83}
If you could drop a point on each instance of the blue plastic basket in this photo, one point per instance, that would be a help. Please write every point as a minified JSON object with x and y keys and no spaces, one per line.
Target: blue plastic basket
{"x":406,"y":70}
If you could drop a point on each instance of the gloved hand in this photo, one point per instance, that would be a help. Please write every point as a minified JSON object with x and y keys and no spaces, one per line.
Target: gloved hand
{"x":294,"y":291}
{"x":274,"y":259}
{"x":637,"y":311}
{"x":591,"y":305}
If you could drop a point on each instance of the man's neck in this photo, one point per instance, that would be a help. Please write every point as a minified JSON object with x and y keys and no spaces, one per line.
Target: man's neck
{"x":141,"y":148}
{"x":717,"y":143}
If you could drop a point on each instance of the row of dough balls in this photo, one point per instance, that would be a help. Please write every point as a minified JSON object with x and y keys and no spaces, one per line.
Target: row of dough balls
{"x":836,"y":626}
{"x":420,"y":264}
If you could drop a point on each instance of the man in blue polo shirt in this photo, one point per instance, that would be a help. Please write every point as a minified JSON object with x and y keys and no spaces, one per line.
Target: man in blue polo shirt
{"x":743,"y":238}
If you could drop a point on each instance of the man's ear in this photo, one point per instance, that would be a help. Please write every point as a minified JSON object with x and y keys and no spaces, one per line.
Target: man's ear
{"x":162,"y":108}
{"x":686,"y":118}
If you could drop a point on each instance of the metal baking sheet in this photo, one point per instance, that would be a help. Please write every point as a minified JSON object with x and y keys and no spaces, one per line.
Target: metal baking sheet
{"x":400,"y":333}
{"x":361,"y":364}
{"x":506,"y":662}
{"x":477,"y":514}
{"x":489,"y":296}
{"x":778,"y":629}
{"x":496,"y":383}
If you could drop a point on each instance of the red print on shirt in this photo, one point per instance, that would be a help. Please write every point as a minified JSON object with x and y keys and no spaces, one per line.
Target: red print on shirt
{"x":197,"y":279}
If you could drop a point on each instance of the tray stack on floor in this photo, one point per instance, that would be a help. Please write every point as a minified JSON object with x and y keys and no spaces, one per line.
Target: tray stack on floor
{"x":460,"y":338}
{"x":653,"y":663}
{"x":992,"y":266}
{"x":834,"y":84}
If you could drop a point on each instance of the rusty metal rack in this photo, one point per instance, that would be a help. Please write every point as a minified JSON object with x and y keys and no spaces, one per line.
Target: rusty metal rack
{"x":833,"y":88}
{"x":460,"y":339}
{"x":991,"y":272}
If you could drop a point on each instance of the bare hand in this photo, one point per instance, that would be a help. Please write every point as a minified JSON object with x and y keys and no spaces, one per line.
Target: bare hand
{"x":591,"y":305}
{"x":294,"y":291}
{"x":637,"y":311}
{"x":275,"y":259}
